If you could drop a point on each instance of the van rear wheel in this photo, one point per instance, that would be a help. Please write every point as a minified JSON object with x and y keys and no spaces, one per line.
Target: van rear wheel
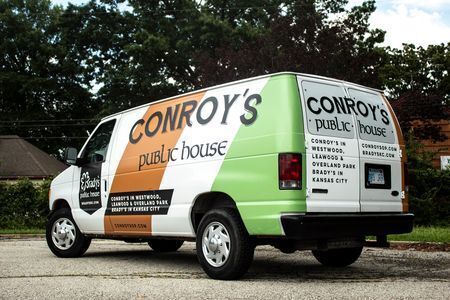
{"x":338,"y":257}
{"x":160,"y":245}
{"x":63,"y":236}
{"x":224,"y":248}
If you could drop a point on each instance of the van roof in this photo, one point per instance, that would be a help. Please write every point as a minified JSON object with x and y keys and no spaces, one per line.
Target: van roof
{"x":240,"y":81}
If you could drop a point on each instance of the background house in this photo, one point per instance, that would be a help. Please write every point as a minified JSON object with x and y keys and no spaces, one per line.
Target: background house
{"x":440,"y":148}
{"x":427,"y":119}
{"x":19,"y":158}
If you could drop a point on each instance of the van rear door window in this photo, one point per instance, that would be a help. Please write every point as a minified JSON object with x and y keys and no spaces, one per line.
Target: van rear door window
{"x":328,"y":110}
{"x":373,"y":121}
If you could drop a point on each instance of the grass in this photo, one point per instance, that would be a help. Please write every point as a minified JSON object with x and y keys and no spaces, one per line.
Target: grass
{"x":22,"y":231}
{"x":424,"y":234}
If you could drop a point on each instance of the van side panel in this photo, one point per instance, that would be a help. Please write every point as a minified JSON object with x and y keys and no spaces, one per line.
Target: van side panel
{"x":170,"y":153}
{"x":249,"y":173}
{"x":191,"y":176}
{"x":136,"y":185}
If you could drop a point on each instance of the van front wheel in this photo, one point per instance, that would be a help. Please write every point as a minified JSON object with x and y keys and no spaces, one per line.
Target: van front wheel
{"x":63,"y":236}
{"x":338,"y":257}
{"x":224,"y":248}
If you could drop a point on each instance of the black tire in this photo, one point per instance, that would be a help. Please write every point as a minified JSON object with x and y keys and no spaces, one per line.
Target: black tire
{"x":338,"y":257}
{"x":77,"y":247}
{"x":160,"y":245}
{"x":241,"y":247}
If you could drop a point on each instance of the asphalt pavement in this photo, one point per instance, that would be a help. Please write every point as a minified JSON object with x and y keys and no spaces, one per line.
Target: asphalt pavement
{"x":117,"y":270}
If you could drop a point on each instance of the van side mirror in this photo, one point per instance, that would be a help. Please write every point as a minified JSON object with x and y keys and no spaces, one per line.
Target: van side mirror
{"x":97,"y":157}
{"x":70,"y":156}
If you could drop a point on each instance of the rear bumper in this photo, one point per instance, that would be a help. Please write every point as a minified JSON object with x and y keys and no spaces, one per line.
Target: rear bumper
{"x":322,"y":226}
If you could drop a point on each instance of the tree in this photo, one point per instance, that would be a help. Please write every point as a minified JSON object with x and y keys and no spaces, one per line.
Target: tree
{"x":317,"y":37}
{"x":156,"y":51}
{"x":177,"y":46}
{"x":42,"y":75}
{"x":418,"y":81}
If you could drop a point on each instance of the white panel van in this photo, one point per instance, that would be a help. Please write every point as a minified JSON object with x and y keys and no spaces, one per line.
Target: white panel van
{"x":292,"y":160}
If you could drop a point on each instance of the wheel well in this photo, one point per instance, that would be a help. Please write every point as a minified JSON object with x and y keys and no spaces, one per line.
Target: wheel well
{"x":60,"y":203}
{"x":207,"y":201}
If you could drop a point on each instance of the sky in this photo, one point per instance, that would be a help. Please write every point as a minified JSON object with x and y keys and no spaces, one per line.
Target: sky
{"x":420,"y":22}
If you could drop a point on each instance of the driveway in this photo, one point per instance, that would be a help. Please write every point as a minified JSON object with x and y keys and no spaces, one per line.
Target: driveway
{"x":117,"y":270}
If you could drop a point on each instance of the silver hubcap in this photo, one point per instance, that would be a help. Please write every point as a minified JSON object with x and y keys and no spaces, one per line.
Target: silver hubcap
{"x":63,"y":233}
{"x":216,"y":244}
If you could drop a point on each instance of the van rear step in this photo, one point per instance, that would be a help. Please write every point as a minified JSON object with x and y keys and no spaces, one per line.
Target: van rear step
{"x":318,"y":226}
{"x":290,"y":246}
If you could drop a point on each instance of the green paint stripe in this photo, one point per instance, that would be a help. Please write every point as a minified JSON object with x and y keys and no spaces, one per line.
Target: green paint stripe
{"x":249,"y":173}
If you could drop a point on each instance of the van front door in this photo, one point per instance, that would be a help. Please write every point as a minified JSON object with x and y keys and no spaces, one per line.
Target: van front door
{"x":90,"y":184}
{"x":332,"y":158}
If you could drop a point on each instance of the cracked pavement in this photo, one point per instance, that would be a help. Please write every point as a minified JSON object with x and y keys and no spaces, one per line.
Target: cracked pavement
{"x":117,"y":270}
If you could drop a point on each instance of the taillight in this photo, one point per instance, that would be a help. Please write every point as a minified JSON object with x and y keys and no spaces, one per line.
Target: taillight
{"x":290,"y":171}
{"x":406,"y":176}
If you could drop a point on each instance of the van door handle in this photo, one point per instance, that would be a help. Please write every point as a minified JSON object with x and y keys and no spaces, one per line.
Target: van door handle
{"x":320,"y":191}
{"x":105,"y":183}
{"x":395,"y":193}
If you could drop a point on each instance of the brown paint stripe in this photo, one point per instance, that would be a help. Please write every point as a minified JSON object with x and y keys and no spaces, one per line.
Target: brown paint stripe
{"x":404,"y":159}
{"x":129,"y":179}
{"x":130,"y":225}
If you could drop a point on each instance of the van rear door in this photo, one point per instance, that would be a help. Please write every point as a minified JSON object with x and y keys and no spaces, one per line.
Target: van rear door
{"x":332,"y":158}
{"x":379,"y":151}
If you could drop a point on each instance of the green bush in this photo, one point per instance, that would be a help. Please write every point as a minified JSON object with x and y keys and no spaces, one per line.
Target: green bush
{"x":23,"y":205}
{"x":430,"y":196}
{"x":429,"y":188}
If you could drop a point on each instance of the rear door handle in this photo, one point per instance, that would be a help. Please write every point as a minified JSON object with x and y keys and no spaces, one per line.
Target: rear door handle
{"x":105,"y":183}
